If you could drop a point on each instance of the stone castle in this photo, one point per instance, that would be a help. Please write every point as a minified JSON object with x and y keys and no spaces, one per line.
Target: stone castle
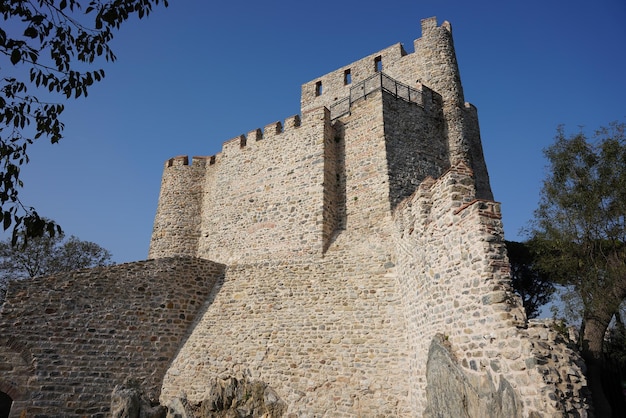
{"x":351,"y":259}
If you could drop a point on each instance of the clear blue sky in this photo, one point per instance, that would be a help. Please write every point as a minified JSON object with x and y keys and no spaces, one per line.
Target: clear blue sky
{"x":201,"y":72}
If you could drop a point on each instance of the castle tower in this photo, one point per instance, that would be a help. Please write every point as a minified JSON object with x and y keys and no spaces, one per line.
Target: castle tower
{"x":393,"y":118}
{"x":438,"y":66}
{"x":177,"y":222}
{"x":303,"y":213}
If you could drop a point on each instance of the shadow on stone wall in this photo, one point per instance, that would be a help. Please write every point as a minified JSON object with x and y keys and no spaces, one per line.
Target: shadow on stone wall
{"x":67,"y":340}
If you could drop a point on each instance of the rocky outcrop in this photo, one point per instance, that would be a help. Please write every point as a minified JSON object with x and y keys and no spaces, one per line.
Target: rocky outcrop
{"x":451,"y":392}
{"x":231,"y":398}
{"x":129,"y":401}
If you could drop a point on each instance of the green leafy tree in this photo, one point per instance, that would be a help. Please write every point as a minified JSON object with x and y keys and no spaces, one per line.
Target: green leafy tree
{"x":47,"y":50}
{"x":579,"y":233}
{"x":46,"y":255}
{"x":527,"y":280}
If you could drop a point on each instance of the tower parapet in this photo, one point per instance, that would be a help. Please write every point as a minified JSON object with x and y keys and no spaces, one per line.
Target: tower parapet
{"x":438,"y":67}
{"x":176,"y":224}
{"x":437,"y":63}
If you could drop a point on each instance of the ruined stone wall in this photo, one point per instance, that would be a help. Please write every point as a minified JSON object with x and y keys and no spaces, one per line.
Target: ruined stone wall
{"x":453,"y":274}
{"x":67,"y":340}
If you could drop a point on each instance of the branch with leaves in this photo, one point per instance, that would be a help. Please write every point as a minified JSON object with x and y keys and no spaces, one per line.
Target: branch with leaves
{"x":55,"y":42}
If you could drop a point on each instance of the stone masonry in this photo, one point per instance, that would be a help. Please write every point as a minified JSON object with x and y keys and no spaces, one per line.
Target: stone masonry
{"x":67,"y":340}
{"x":358,"y":269}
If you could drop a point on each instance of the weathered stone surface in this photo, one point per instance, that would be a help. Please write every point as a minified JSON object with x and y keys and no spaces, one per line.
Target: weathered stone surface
{"x":180,"y":408}
{"x":129,"y":401}
{"x":67,"y":340}
{"x":231,"y":398}
{"x":450,"y":392}
{"x":125,"y":402}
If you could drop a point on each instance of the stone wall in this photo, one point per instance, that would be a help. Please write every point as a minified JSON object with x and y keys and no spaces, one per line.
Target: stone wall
{"x":415,"y":145}
{"x":327,"y":336}
{"x":258,"y":190}
{"x":67,"y":340}
{"x":335,"y":88}
{"x":453,"y":274}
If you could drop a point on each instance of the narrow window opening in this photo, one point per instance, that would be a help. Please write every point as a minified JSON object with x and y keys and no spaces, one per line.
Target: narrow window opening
{"x":347,"y":77}
{"x":318,"y":88}
{"x":378,"y":64}
{"x":5,"y":405}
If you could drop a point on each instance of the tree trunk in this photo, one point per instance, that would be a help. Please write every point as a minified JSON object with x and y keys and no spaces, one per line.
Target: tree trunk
{"x":594,"y":327}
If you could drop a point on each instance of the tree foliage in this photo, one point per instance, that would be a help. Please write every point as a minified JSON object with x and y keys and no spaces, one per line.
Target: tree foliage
{"x":47,"y":49}
{"x":580,"y":226}
{"x":579,"y":231}
{"x":46,"y":255}
{"x":532,"y":285}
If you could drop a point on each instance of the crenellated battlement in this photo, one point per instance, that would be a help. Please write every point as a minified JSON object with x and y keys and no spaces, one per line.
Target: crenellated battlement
{"x":408,"y":68}
{"x":177,"y":161}
{"x":429,"y":25}
{"x":233,"y":144}
{"x":272,"y":131}
{"x":196,"y":161}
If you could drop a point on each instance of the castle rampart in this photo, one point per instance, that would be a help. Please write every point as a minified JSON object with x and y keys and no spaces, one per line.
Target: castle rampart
{"x":263,"y":189}
{"x":188,"y":189}
{"x":67,"y":340}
